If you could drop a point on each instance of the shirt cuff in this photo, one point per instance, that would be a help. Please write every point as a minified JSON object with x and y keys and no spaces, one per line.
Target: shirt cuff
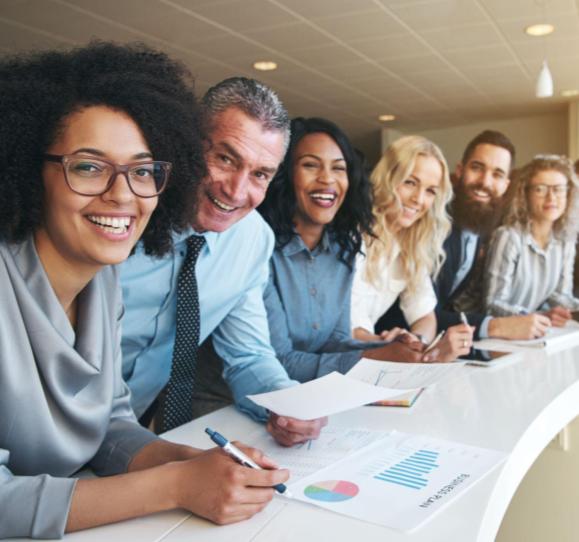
{"x":483,"y":330}
{"x":124,"y":439}
{"x":349,"y":359}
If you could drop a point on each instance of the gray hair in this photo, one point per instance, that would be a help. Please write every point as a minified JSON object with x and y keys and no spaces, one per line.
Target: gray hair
{"x":255,"y":99}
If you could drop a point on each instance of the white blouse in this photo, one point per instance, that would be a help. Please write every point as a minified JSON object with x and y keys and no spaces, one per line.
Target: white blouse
{"x":370,"y":303}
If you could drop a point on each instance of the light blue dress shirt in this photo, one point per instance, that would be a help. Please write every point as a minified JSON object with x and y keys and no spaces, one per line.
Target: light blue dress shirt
{"x":308,"y":307}
{"x":232,"y":273}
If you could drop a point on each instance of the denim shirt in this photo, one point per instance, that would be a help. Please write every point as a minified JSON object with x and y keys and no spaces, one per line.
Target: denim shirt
{"x":308,"y":307}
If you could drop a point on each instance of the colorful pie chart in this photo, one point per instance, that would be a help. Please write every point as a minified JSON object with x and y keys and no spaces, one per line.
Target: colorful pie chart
{"x":331,"y":491}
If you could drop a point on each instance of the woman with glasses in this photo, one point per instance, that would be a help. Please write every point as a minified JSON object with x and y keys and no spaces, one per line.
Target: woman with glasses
{"x":98,"y":147}
{"x":530,"y":257}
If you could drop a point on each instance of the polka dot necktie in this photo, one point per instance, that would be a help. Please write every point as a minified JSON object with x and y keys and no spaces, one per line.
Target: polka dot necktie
{"x":176,"y":401}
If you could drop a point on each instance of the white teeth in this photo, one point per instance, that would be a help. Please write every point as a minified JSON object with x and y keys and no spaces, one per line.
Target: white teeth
{"x":110,"y":224}
{"x":410,"y":210}
{"x":322,"y":196}
{"x":221,"y":205}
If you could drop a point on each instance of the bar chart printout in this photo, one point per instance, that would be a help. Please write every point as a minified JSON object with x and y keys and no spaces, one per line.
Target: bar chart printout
{"x":401,"y":481}
{"x":411,"y":471}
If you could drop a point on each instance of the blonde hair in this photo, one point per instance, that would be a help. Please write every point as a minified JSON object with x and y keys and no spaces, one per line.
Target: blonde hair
{"x":517,"y":206}
{"x":420,"y":244}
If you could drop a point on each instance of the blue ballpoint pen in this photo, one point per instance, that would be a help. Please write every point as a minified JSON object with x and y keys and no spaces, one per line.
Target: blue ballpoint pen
{"x":241,"y":458}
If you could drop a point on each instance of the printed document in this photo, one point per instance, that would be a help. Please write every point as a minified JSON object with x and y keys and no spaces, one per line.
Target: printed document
{"x":399,"y":482}
{"x":333,"y":444}
{"x":389,"y":374}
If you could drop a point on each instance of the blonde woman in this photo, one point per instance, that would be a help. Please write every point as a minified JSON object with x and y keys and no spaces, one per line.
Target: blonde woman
{"x":411,"y":189}
{"x":531,"y":256}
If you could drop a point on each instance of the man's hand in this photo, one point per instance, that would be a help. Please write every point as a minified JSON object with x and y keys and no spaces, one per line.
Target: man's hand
{"x":289,"y":431}
{"x":559,"y":316}
{"x":529,"y":326}
{"x":216,"y":487}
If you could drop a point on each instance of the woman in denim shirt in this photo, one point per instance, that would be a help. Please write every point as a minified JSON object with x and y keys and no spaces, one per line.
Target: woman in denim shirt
{"x":318,"y":206}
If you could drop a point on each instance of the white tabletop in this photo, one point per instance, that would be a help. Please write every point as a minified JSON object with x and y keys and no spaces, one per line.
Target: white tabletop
{"x":516,"y":408}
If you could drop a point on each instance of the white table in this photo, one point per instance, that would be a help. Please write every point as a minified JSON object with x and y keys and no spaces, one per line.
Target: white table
{"x":518,"y":408}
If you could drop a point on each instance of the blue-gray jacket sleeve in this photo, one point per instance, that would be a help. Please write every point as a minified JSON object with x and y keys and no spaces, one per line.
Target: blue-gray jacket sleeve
{"x":124,"y":437}
{"x":33,"y":506}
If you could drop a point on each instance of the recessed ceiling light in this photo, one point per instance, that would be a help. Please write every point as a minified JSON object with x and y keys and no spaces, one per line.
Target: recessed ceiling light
{"x":265,"y":65}
{"x":537,"y":30}
{"x":386,"y":118}
{"x":570,"y":92}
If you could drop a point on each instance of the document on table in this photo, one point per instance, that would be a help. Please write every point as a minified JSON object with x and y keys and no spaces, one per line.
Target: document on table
{"x":333,"y":444}
{"x":399,"y":482}
{"x":555,"y":336}
{"x":389,"y":374}
{"x":323,"y":396}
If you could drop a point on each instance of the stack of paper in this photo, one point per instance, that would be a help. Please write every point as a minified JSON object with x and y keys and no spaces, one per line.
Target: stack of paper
{"x":327,"y":395}
{"x":554,"y":338}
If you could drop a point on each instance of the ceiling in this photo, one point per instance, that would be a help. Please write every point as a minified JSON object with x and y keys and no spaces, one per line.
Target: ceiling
{"x":432,"y":63}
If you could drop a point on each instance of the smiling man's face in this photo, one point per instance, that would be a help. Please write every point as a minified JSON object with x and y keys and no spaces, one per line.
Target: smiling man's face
{"x":242,"y":158}
{"x":484,"y":178}
{"x":479,"y":186}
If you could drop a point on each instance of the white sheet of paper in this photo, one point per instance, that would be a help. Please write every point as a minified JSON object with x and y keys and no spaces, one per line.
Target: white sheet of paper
{"x":389,"y":374}
{"x":323,"y":396}
{"x":555,"y":336}
{"x":333,"y":444}
{"x":399,"y":482}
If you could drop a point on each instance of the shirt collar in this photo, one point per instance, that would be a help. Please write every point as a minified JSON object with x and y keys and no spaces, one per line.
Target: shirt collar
{"x":211,"y":237}
{"x":296,"y":244}
{"x":530,"y":241}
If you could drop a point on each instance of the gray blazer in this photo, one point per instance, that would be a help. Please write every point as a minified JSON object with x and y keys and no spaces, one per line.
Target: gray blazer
{"x":63,"y":403}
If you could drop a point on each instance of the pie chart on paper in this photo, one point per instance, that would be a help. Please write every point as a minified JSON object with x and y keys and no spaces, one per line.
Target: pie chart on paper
{"x":331,"y":491}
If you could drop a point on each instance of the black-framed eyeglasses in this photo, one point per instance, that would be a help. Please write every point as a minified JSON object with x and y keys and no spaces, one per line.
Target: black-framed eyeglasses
{"x":541,"y":190}
{"x":89,"y":176}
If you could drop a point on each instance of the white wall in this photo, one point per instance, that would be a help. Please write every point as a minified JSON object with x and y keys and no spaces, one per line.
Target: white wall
{"x":530,"y":135}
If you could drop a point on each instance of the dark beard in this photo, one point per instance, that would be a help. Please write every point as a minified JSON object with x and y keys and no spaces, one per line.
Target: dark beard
{"x":480,"y":218}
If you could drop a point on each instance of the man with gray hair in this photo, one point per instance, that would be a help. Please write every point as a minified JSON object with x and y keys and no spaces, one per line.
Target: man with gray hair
{"x":174,"y":303}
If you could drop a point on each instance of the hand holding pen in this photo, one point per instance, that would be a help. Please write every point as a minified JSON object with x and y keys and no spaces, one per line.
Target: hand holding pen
{"x":242,"y":458}
{"x":449,"y":345}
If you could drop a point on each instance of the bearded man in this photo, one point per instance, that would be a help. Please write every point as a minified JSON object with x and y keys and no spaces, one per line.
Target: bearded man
{"x":480,"y":182}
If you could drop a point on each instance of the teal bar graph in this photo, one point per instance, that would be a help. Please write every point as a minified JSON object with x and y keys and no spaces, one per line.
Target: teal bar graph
{"x":411,"y":471}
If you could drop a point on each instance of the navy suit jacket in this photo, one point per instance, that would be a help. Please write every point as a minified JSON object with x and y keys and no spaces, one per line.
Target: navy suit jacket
{"x":445,"y":315}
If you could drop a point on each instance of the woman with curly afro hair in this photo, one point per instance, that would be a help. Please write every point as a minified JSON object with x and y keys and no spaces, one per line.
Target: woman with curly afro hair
{"x":98,"y":147}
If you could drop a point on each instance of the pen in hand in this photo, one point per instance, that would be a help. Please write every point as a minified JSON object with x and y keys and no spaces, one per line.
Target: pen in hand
{"x":241,"y":458}
{"x":434,"y":342}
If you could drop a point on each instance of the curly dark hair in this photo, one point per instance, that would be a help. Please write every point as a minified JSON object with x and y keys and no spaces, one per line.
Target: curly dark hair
{"x":38,"y":91}
{"x":354,"y":217}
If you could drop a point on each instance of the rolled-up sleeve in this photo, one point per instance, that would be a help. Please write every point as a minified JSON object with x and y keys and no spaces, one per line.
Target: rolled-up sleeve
{"x":419,"y":302}
{"x":33,"y":506}
{"x":364,"y":297}
{"x":563,"y":295}
{"x":242,"y":340}
{"x":503,"y":256}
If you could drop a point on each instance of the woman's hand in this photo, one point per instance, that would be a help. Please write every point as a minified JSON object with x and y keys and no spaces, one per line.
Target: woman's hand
{"x":457,"y":341}
{"x":558,"y":316}
{"x":216,"y":487}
